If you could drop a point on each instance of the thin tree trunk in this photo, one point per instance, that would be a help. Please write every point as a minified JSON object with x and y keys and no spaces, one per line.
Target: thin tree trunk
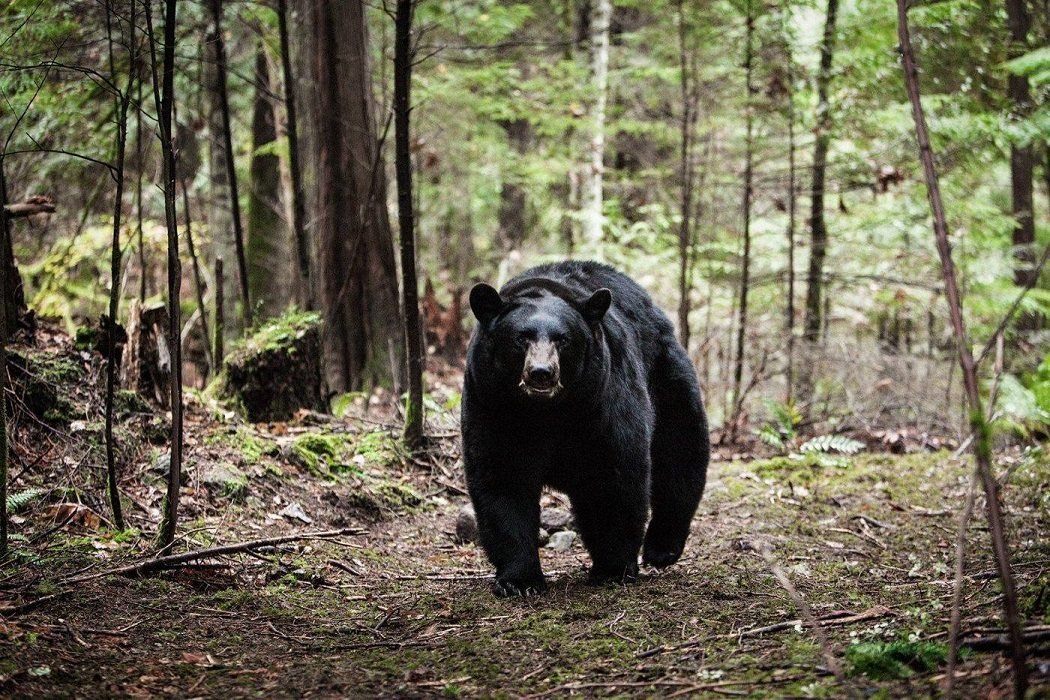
{"x":512,"y":197}
{"x":403,"y":57}
{"x":231,"y":168}
{"x":302,"y":247}
{"x":164,"y":96}
{"x":818,"y":229}
{"x":198,"y":279}
{"x":686,"y":66}
{"x":789,"y":312}
{"x":745,"y":261}
{"x":123,"y":100}
{"x":268,"y":251}
{"x":220,"y":314}
{"x":5,"y":235}
{"x":1022,"y":158}
{"x":140,"y":166}
{"x":978,"y":423}
{"x":591,"y":203}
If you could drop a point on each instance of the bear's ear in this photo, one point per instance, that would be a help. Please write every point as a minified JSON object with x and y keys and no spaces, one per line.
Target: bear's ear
{"x":485,"y":302}
{"x":595,"y":307}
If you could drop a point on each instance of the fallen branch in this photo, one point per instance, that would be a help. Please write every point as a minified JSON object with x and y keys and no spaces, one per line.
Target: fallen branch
{"x":28,"y":208}
{"x":832,"y":619}
{"x":1004,"y":641}
{"x":803,"y":607}
{"x":171,"y":560}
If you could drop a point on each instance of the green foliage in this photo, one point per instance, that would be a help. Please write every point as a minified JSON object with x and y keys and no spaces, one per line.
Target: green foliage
{"x":782,"y":431}
{"x":279,"y":333}
{"x":832,"y":443}
{"x":899,"y":659}
{"x":17,"y":501}
{"x":1023,"y":406}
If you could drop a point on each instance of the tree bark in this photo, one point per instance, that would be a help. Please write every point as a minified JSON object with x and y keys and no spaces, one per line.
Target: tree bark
{"x":512,"y":198}
{"x":268,"y":251}
{"x":789,"y":311}
{"x":231,"y":168}
{"x":164,"y":96}
{"x":403,"y":57}
{"x":594,"y":169}
{"x":1022,"y":158}
{"x":690,"y":102}
{"x":302,"y":246}
{"x":122,"y":102}
{"x":978,"y":423}
{"x":745,"y":260}
{"x":818,"y":229}
{"x":363,"y":336}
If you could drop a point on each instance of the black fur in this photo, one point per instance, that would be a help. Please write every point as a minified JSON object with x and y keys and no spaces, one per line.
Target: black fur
{"x":624,"y":429}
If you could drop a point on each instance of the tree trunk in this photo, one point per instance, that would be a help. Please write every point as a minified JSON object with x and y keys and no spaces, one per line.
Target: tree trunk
{"x":594,"y":169}
{"x":403,"y":57}
{"x":302,"y":247}
{"x":1022,"y":158}
{"x":818,"y":229}
{"x":122,"y":101}
{"x":356,"y":272}
{"x":687,"y":67}
{"x":268,"y":251}
{"x":789,"y":311}
{"x":745,"y":261}
{"x":220,"y":225}
{"x":981,"y":432}
{"x":231,"y":168}
{"x":164,"y":97}
{"x":512,"y":199}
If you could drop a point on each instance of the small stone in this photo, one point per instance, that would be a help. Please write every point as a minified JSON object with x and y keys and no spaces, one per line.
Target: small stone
{"x":467,"y":525}
{"x":294,"y":511}
{"x":225,"y":481}
{"x":562,"y":541}
{"x":555,"y":519}
{"x":545,"y":537}
{"x":162,"y":465}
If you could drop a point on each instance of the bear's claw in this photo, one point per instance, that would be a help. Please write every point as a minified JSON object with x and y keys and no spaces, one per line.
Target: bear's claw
{"x":512,"y":588}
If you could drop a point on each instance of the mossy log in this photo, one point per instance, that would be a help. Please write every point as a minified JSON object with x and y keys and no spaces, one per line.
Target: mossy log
{"x":277,"y":370}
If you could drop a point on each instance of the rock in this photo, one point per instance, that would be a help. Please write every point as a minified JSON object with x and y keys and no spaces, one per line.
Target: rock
{"x":294,"y":511}
{"x":225,"y":481}
{"x":562,"y":541}
{"x":555,"y":519}
{"x":162,"y":465}
{"x":545,"y":537}
{"x":467,"y":525}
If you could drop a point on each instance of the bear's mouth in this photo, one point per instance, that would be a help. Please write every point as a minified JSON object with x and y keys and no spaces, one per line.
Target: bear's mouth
{"x":541,"y":390}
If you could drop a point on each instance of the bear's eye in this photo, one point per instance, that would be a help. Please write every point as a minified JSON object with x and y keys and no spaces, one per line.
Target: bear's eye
{"x":558,"y":339}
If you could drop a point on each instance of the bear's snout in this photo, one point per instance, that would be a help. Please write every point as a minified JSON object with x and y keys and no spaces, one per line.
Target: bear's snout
{"x":541,"y":374}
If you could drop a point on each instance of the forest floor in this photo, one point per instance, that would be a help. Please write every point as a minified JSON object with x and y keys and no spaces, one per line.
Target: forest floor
{"x":396,"y":607}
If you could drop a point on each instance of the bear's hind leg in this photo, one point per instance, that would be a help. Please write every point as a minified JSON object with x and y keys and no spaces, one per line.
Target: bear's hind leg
{"x":680,"y":453}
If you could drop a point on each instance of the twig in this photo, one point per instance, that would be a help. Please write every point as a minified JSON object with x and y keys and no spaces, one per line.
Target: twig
{"x":960,"y":570}
{"x":803,"y":607}
{"x":158,"y":563}
{"x":29,"y":605}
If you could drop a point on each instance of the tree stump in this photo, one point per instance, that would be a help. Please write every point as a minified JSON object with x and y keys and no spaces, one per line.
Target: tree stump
{"x":277,"y":370}
{"x":146,"y":368}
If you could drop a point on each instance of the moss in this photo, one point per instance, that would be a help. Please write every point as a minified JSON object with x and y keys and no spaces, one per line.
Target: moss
{"x":900,"y":659}
{"x":247,"y":444}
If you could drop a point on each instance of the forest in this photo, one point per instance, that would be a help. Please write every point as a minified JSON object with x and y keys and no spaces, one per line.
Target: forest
{"x":238,"y":243}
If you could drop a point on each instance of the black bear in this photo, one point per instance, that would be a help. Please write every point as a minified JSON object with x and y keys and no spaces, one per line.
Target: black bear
{"x":575,"y":380}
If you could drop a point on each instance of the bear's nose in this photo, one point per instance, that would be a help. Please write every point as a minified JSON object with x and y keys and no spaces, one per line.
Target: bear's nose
{"x":541,"y":375}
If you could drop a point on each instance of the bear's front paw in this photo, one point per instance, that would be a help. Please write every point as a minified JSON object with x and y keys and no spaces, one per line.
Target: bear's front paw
{"x":514,"y":587}
{"x":660,"y":559}
{"x":615,"y":575}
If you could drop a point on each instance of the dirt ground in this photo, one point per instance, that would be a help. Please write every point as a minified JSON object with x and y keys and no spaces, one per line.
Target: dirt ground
{"x":401,"y":610}
{"x":396,"y":607}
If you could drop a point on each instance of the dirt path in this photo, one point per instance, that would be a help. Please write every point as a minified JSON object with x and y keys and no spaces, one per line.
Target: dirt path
{"x":404,"y":611}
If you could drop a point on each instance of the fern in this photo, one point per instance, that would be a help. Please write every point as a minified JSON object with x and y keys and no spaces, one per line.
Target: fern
{"x":832,"y":443}
{"x":17,"y":501}
{"x":771,"y":436}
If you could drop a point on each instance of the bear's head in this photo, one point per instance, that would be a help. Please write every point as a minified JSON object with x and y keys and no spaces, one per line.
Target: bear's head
{"x":535,"y":341}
